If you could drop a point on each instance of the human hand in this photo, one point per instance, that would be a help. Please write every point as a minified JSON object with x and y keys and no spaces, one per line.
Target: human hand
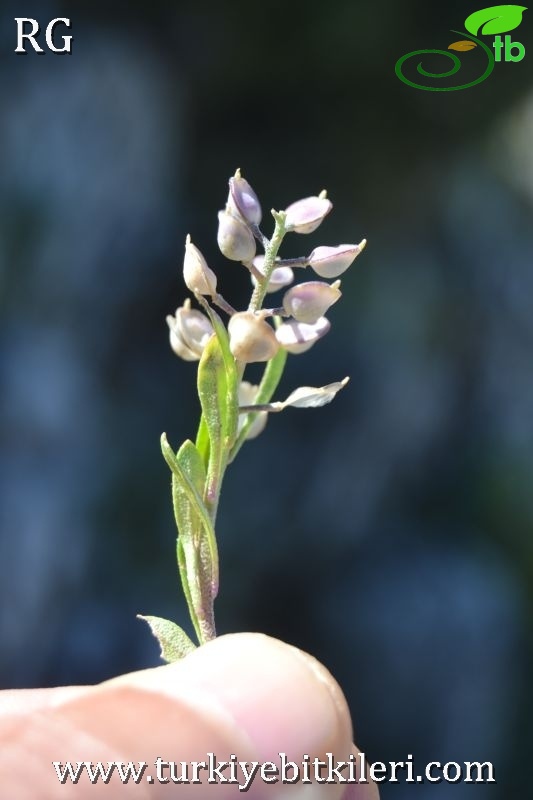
{"x":243,"y":694}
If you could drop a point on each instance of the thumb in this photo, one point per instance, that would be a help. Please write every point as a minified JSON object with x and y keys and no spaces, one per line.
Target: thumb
{"x":243,"y":695}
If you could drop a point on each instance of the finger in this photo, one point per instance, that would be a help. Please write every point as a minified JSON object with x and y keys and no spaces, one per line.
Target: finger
{"x":26,"y":701}
{"x":244,"y":694}
{"x":279,"y":696}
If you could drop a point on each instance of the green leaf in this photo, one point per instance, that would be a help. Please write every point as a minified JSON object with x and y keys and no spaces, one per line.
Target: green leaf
{"x":196,"y":546}
{"x":189,"y":522}
{"x":232,"y":375}
{"x":199,"y":547}
{"x":493,"y":20}
{"x":212,"y":391}
{"x":189,"y":508}
{"x":184,"y":576}
{"x":223,"y":340}
{"x":187,"y":486}
{"x":202,"y":441}
{"x":196,"y":570}
{"x":217,"y":390}
{"x":174,"y":642}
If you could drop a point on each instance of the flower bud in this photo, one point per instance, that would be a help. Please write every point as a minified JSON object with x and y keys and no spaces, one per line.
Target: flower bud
{"x":304,"y":216}
{"x":196,"y":274}
{"x":297,"y":337}
{"x":307,"y":302}
{"x":314,"y":396}
{"x":279,"y":277}
{"x":247,"y":395}
{"x":243,"y":200}
{"x":235,"y":239}
{"x":189,"y":332}
{"x":330,"y":262}
{"x":251,"y":338}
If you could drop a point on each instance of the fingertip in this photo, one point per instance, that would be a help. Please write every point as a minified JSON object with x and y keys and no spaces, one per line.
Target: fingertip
{"x":283,"y":699}
{"x":280,"y":699}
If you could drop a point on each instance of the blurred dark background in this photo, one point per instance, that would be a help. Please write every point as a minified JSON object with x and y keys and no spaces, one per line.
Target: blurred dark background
{"x":390,"y":533}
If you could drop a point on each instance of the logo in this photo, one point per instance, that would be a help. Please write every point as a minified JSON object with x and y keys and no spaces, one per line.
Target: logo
{"x":49,"y":35}
{"x":491,"y":21}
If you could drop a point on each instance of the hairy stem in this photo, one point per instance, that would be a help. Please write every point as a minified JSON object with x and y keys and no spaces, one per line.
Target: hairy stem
{"x":271,"y":252}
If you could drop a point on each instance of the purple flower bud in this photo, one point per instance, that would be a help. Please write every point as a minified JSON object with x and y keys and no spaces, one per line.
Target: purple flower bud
{"x":196,"y":274}
{"x":189,"y":332}
{"x":307,"y":302}
{"x":234,"y":238}
{"x":330,"y":262}
{"x":297,"y":337}
{"x":251,"y":338}
{"x":305,"y":215}
{"x":243,"y":200}
{"x":280,"y":276}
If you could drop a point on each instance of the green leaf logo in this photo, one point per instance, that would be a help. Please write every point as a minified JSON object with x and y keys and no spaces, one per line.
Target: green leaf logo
{"x":493,"y":20}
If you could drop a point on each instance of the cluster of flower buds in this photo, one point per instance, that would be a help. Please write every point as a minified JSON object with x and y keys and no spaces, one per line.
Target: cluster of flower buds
{"x":299,"y":321}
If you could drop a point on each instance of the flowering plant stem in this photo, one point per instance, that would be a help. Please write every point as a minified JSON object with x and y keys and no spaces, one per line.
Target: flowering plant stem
{"x":232,"y":410}
{"x":271,"y":252}
{"x":198,"y":566}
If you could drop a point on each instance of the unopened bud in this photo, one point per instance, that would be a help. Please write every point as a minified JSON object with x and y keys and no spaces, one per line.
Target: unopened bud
{"x":251,"y":338}
{"x":297,"y":337}
{"x":279,"y":277}
{"x":196,"y":274}
{"x":247,"y":395}
{"x":330,"y":262}
{"x":243,"y":200}
{"x":234,"y":238}
{"x":304,"y":216}
{"x":307,"y":302}
{"x":189,"y":332}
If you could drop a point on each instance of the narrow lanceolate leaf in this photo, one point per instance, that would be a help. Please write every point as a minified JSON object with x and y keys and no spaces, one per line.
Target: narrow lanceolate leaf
{"x":463,"y":45}
{"x":186,"y":484}
{"x":232,"y":376}
{"x":213,"y":394}
{"x":182,"y":568}
{"x":202,"y":441}
{"x":199,"y":547}
{"x":495,"y":19}
{"x":217,"y":390}
{"x":200,"y":550}
{"x":174,"y":642}
{"x":196,"y":545}
{"x":192,"y":517}
{"x":188,"y":481}
{"x":188,"y":508}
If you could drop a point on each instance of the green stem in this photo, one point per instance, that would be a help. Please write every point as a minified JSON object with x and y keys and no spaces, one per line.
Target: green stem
{"x":271,"y":252}
{"x":267,"y":387}
{"x":199,"y":571}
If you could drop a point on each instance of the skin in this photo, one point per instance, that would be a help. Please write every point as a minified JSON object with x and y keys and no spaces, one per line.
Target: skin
{"x":245,"y":693}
